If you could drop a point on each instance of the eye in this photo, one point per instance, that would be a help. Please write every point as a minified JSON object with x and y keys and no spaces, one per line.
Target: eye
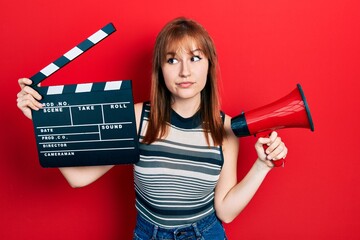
{"x":196,"y":58}
{"x":172,"y":61}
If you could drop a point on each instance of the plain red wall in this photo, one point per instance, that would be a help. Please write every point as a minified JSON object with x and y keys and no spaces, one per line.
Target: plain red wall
{"x":265,"y":48}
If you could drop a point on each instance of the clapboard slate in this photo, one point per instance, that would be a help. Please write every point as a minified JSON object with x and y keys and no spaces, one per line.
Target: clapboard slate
{"x":86,"y":124}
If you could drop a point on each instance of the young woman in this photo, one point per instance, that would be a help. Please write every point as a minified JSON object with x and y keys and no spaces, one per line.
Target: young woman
{"x":185,"y":181}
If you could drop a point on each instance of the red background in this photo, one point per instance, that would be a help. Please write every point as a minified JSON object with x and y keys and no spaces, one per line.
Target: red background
{"x":265,"y":48}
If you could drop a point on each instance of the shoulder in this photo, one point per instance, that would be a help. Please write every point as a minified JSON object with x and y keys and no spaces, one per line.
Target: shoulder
{"x":230,"y":139}
{"x":227,"y":124}
{"x":138,"y":107}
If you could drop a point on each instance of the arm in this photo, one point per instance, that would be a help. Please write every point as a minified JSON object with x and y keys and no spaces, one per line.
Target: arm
{"x":27,"y":100}
{"x":82,"y":176}
{"x":231,"y":197}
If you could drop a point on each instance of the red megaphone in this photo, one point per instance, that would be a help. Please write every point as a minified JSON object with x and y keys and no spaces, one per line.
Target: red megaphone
{"x":291,"y":111}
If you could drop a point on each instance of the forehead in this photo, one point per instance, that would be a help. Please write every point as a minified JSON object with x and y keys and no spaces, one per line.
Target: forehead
{"x":185,"y":44}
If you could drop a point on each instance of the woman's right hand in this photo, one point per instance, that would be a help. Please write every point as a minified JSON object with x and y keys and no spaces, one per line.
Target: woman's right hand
{"x":28,"y":99}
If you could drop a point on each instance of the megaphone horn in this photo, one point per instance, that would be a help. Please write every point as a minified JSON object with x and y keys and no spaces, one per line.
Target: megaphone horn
{"x":291,"y":111}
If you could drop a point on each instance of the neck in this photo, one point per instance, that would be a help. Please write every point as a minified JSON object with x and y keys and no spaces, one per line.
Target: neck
{"x":186,"y":107}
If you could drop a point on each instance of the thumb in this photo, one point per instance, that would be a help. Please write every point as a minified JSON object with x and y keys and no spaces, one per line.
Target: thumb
{"x":260,"y":148}
{"x":262,"y":140}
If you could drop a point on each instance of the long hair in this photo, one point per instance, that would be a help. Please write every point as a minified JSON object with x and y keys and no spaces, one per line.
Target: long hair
{"x":173,"y":34}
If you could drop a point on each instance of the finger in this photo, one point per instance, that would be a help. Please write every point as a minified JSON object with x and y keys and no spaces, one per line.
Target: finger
{"x":20,"y":94}
{"x":278,"y":153}
{"x":260,"y":143}
{"x":27,"y":104}
{"x":27,"y":101}
{"x":24,"y":81}
{"x":284,"y":153}
{"x":263,"y":140}
{"x":273,"y":145}
{"x":273,"y":136}
{"x":32,"y":92}
{"x":259,"y":147}
{"x":275,"y":151}
{"x":280,"y":156}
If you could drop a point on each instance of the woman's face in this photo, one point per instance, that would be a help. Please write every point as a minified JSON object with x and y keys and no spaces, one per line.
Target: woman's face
{"x":185,"y":72}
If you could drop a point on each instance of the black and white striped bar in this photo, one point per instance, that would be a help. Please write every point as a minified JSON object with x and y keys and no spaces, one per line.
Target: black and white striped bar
{"x":73,"y":53}
{"x":82,"y":87}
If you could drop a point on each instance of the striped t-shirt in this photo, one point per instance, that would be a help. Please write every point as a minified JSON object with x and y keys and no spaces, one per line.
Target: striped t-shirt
{"x":175,"y":177}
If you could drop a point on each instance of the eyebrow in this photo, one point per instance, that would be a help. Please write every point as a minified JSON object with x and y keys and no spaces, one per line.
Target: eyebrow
{"x":197,"y":50}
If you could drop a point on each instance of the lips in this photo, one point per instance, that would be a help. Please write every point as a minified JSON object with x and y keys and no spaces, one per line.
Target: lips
{"x":185,"y":84}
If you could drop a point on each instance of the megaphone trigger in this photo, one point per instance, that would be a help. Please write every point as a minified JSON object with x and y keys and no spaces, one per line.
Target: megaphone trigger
{"x":279,"y":163}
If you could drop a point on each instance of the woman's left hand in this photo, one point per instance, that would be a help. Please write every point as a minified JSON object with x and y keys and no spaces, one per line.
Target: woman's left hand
{"x":275,"y":150}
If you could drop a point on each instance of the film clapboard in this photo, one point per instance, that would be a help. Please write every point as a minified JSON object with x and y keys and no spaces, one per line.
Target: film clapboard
{"x":85,"y":124}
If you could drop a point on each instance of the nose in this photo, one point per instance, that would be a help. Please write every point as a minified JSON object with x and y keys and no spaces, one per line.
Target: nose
{"x":185,"y":71}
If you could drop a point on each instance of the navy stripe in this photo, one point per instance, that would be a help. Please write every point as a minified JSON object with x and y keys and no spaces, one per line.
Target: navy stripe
{"x":173,"y":212}
{"x":184,"y":166}
{"x":109,"y":28}
{"x":37,"y":78}
{"x":178,"y":180}
{"x":187,"y":145}
{"x":186,"y":123}
{"x":190,"y":157}
{"x":61,"y":62}
{"x":86,"y":45}
{"x":69,"y":88}
{"x":100,"y":86}
{"x":126,"y":84}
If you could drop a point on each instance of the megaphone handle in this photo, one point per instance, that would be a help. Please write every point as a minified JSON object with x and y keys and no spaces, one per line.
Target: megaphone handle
{"x":277,"y":163}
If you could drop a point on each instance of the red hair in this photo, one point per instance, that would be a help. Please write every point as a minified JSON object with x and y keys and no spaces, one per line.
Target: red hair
{"x":174,"y":34}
